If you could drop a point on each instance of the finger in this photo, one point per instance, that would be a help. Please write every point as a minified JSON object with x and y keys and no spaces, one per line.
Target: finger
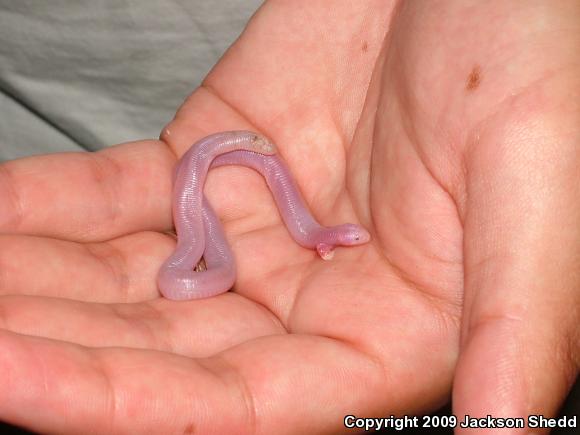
{"x":125,"y":269}
{"x":88,"y":196}
{"x":118,"y":390}
{"x":120,"y":270}
{"x":520,"y":331}
{"x":195,"y":328}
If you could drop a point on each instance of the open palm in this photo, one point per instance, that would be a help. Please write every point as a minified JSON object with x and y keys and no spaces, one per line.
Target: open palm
{"x":300,"y":342}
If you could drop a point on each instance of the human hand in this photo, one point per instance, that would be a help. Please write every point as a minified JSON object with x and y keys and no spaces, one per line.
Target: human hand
{"x":421,"y":159}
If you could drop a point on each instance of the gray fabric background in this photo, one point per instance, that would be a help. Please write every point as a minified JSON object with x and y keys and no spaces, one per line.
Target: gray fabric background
{"x":83,"y":74}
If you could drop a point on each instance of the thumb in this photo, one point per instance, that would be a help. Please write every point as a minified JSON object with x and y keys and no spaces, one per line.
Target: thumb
{"x":520,"y":335}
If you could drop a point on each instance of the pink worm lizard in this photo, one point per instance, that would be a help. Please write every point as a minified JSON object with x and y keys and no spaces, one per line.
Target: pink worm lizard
{"x":199,"y":231}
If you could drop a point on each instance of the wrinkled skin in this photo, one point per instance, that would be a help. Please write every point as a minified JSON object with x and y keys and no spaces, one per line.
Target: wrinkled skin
{"x":461,"y":157}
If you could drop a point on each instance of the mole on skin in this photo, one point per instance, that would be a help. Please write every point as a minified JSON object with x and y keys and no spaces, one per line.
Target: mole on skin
{"x":474,"y":78}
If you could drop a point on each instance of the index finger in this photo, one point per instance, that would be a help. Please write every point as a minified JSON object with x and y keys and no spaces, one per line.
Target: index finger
{"x":88,"y":196}
{"x":65,"y":388}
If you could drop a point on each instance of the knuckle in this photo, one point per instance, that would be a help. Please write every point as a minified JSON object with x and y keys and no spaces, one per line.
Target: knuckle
{"x":11,"y":208}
